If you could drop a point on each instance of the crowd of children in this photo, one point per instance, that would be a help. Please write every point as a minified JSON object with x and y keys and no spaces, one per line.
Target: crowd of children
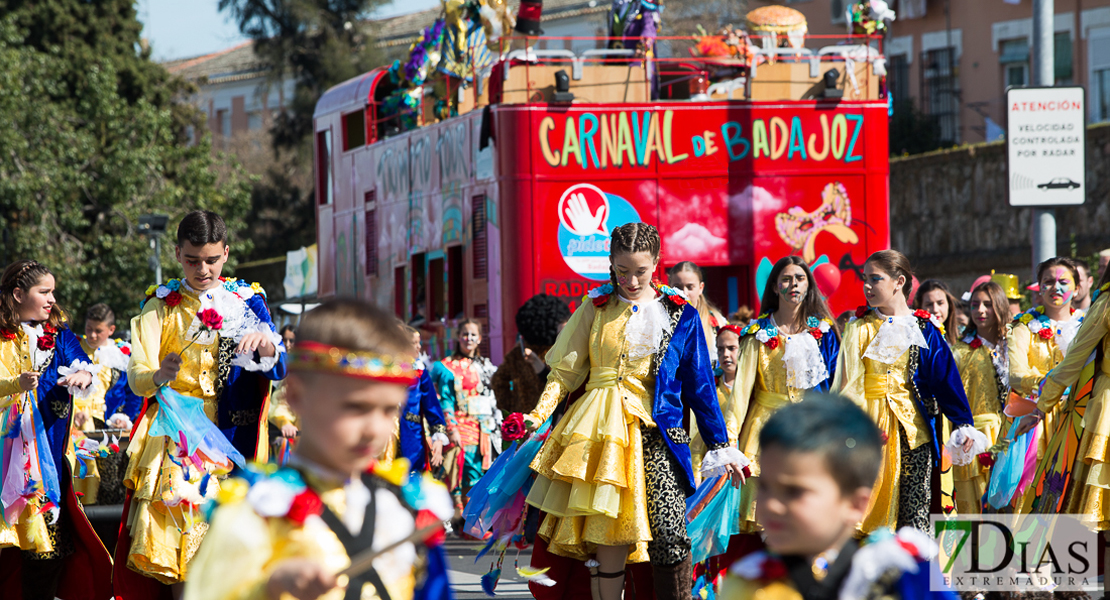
{"x":834,"y":435}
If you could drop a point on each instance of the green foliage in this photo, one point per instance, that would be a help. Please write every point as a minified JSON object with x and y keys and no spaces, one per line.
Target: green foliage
{"x":91,"y":137}
{"x":319,"y":43}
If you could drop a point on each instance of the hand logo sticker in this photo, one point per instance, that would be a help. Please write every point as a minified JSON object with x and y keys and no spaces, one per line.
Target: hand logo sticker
{"x":584,"y":210}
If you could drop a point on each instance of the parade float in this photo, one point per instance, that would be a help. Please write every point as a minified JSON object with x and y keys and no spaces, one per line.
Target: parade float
{"x":482,"y":169}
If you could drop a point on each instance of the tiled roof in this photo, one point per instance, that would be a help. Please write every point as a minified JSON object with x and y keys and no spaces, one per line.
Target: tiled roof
{"x":231,"y":64}
{"x":393,"y":33}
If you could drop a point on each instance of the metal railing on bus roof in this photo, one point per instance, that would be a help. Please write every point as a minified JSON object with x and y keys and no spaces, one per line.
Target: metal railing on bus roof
{"x":848,"y":50}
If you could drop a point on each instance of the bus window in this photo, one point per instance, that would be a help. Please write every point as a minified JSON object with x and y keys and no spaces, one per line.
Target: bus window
{"x":323,"y":167}
{"x":399,"y":292}
{"x":480,"y":246}
{"x":371,"y":236}
{"x":419,"y":288}
{"x":354,"y":130}
{"x":436,"y":296}
{"x":455,"y":299}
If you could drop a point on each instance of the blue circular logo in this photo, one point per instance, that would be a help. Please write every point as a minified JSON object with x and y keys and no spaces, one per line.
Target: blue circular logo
{"x":587,"y":217}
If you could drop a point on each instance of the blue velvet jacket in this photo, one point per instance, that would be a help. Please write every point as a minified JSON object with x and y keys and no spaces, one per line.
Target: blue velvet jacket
{"x":684,"y":377}
{"x":240,"y":415}
{"x":422,"y":405}
{"x":830,"y":352}
{"x":939,"y":391}
{"x":120,"y":399}
{"x":54,"y":402}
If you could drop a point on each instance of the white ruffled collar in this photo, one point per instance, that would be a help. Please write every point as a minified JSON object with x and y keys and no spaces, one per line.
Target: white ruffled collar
{"x":805,"y":367}
{"x":895,"y":336}
{"x":39,"y":357}
{"x":644,"y":329}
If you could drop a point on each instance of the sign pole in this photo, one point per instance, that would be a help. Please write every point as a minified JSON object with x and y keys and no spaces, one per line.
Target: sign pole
{"x":1044,"y":219}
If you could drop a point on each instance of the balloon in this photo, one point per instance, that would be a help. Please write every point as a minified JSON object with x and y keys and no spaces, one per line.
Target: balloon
{"x":827,"y":277}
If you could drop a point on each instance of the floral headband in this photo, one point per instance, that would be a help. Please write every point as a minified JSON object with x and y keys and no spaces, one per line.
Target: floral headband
{"x":313,"y":356}
{"x":733,"y":328}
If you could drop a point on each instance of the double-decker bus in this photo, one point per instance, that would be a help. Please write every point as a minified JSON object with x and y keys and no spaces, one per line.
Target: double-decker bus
{"x":471,"y":215}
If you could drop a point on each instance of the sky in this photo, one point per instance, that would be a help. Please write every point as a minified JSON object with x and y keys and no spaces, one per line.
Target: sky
{"x":178,"y":29}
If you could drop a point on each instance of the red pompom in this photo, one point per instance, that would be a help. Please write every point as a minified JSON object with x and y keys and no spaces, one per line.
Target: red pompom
{"x":512,"y":428}
{"x":1045,"y":333}
{"x":173,"y":299}
{"x":816,"y":333}
{"x":862,"y":311}
{"x":922,"y":314}
{"x":304,"y":504}
{"x":126,"y":351}
{"x":773,"y":343}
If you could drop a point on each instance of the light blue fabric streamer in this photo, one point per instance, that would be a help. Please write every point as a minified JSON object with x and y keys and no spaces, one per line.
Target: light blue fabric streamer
{"x":509,"y":475}
{"x":710,"y":530}
{"x":179,"y":414}
{"x":1008,"y":468}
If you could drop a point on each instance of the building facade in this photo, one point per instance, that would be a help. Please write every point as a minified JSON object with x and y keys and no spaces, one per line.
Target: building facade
{"x":955,"y":58}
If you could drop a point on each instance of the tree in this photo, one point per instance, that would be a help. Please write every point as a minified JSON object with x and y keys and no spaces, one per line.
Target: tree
{"x":92,"y":135}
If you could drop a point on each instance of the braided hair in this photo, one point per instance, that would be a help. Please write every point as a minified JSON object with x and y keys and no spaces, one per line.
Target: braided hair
{"x":631,"y":238}
{"x":23,"y":274}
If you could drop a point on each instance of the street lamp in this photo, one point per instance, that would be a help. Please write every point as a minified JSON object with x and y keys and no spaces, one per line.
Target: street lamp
{"x":154,"y":226}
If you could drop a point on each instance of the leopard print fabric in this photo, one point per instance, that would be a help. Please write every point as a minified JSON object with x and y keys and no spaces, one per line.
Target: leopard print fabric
{"x":60,"y":538}
{"x":915,"y":489}
{"x":666,"y":503}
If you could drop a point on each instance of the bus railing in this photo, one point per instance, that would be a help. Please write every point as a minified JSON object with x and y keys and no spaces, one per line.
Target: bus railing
{"x":673,"y":76}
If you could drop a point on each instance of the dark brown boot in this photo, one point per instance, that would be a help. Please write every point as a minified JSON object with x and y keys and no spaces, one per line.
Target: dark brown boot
{"x":674,"y":582}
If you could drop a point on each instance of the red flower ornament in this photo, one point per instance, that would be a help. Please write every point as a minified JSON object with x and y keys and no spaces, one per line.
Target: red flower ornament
{"x":1045,"y":333}
{"x":49,"y":329}
{"x":816,"y":333}
{"x":922,"y":314}
{"x":7,"y":335}
{"x":512,"y":428}
{"x":211,"y":319}
{"x":126,"y":351}
{"x":986,"y":459}
{"x":46,"y":342}
{"x":601,"y":300}
{"x":425,"y":518}
{"x":173,"y":299}
{"x":773,"y":343}
{"x":304,"y":504}
{"x":976,"y":344}
{"x":862,"y":310}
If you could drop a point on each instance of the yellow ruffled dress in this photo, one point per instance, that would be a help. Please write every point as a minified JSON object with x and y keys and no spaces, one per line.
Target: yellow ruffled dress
{"x":30,"y":531}
{"x":985,"y":395}
{"x":760,"y":390}
{"x":591,"y":469}
{"x":88,"y":487}
{"x":883,"y":391}
{"x":163,"y":536}
{"x":1088,"y":491}
{"x":1031,"y":358}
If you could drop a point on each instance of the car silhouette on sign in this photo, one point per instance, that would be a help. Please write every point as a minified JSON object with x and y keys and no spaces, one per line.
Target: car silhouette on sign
{"x":1059,"y":183}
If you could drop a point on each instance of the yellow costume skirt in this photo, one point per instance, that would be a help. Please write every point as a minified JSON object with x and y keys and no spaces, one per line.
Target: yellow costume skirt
{"x":971,"y":480}
{"x":764,"y":405}
{"x":392,"y":447}
{"x":164,"y":534}
{"x":1088,"y":489}
{"x":29,"y":531}
{"x":591,"y":474}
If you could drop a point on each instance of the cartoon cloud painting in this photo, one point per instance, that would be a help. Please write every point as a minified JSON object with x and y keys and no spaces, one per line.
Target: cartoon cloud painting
{"x":799,"y":229}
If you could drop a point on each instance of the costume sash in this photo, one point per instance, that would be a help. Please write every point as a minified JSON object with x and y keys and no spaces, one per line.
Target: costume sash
{"x":27,"y":468}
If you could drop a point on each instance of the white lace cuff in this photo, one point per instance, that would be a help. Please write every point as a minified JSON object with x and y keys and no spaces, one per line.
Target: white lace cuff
{"x":264,"y":363}
{"x":715,"y":461}
{"x":440,"y":437}
{"x":74,"y":367}
{"x":979,"y":445}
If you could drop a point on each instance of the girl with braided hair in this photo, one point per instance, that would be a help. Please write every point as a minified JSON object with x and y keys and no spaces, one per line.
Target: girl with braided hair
{"x":41,"y":364}
{"x":615,"y":470}
{"x":688,"y":278}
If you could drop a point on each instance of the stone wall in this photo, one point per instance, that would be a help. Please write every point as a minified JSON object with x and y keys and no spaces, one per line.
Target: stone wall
{"x":950,"y":215}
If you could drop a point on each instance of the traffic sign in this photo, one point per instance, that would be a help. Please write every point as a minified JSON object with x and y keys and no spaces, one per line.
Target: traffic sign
{"x":1046,"y":145}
